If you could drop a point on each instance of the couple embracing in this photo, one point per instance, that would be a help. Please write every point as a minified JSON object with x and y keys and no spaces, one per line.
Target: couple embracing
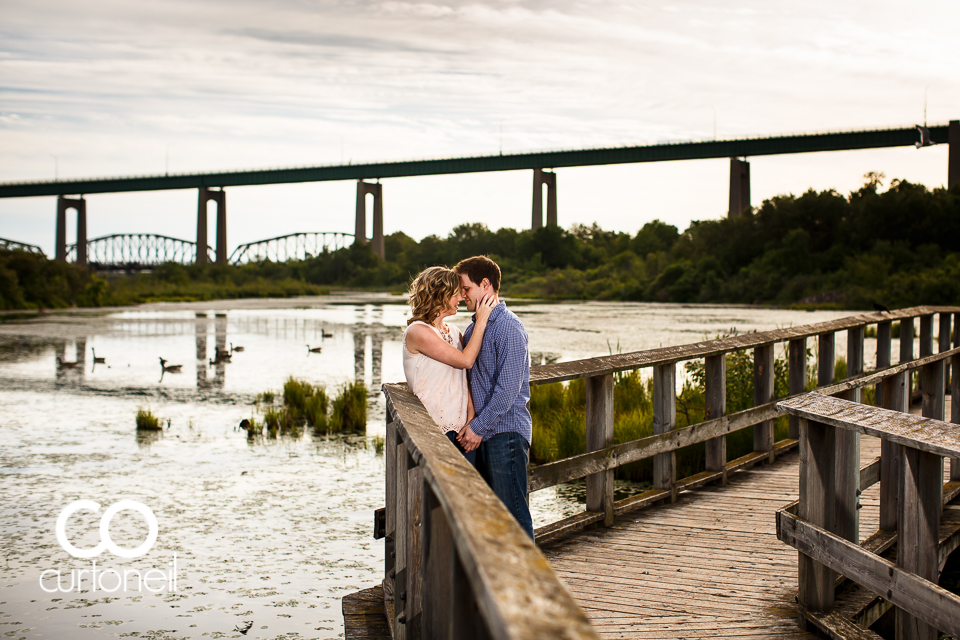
{"x":475,"y":386}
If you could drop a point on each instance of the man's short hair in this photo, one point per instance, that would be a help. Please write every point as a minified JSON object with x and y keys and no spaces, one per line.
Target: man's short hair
{"x":479,"y":267}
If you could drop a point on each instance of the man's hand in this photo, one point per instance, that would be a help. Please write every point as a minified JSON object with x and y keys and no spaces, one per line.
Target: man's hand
{"x":468,"y":439}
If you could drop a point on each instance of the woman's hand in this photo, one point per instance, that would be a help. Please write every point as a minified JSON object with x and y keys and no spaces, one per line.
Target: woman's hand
{"x":486,"y":306}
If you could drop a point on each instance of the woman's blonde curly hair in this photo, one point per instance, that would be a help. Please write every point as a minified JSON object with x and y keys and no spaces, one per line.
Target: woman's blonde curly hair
{"x":430,"y":291}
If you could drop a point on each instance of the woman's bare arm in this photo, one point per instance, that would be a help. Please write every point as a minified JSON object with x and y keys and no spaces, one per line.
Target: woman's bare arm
{"x":423,"y":339}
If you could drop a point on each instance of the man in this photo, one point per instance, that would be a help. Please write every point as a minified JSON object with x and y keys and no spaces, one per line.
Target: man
{"x":500,"y":387}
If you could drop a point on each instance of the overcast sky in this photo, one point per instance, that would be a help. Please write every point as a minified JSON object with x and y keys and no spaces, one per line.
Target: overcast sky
{"x":123,"y":88}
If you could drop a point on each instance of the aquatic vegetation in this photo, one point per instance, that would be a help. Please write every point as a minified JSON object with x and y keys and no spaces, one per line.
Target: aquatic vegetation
{"x":379,"y":444}
{"x":147,"y":421}
{"x":350,"y":407}
{"x":267,"y":397}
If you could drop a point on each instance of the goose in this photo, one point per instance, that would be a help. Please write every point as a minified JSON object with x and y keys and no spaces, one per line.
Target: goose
{"x":324,"y":334}
{"x":314,"y":349}
{"x":97,"y":360}
{"x":173,"y":368}
{"x":66,"y":365}
{"x":233,"y":348}
{"x":221,"y":356}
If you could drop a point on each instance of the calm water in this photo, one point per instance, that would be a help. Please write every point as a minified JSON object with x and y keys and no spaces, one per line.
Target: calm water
{"x":270,"y":532}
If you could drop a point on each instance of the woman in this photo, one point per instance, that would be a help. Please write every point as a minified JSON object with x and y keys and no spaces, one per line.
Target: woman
{"x":434,"y":358}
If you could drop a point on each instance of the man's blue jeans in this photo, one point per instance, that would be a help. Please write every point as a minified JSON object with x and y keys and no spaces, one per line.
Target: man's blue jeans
{"x":503,"y":464}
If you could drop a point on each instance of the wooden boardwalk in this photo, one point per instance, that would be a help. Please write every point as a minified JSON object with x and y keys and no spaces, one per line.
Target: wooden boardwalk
{"x":709,"y":566}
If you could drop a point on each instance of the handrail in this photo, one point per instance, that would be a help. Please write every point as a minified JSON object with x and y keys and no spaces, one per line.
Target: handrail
{"x":602,"y":365}
{"x":812,"y":524}
{"x":451,"y":543}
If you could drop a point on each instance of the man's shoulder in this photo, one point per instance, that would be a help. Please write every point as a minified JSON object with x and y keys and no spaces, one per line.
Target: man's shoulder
{"x":509,"y":322}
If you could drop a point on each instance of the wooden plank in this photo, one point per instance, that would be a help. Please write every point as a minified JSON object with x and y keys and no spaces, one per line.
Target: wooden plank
{"x":826,"y":358}
{"x":390,"y":462}
{"x":518,"y":594}
{"x":665,"y":421}
{"x":403,"y":531}
{"x":884,"y":349}
{"x":599,"y":436}
{"x":439,"y":557}
{"x":797,"y":372}
{"x":921,"y":478}
{"x":904,"y":589}
{"x":955,"y":403}
{"x":926,"y":434}
{"x":839,"y":628}
{"x":363,"y":615}
{"x":414,"y":556}
{"x":848,"y":451}
{"x":602,"y":365}
{"x":715,"y":392}
{"x":763,"y":394}
{"x":467,"y":621}
{"x":895,"y":399}
{"x":870,"y":475}
{"x":817,"y":506}
{"x":572,"y":523}
{"x":932,"y":385}
{"x":906,"y":339}
{"x":926,"y":335}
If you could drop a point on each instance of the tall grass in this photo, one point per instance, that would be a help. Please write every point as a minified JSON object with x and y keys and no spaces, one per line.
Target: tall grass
{"x":350,"y":407}
{"x":304,"y":404}
{"x":146,"y":421}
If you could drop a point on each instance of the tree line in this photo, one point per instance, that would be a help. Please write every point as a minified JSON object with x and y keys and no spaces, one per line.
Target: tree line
{"x":898,"y":246}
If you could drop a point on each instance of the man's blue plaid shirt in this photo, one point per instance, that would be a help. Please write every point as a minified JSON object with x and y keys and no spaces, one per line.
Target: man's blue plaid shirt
{"x":500,"y":378}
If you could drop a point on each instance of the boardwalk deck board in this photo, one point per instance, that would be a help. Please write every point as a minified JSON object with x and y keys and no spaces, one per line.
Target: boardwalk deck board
{"x":708,"y":566}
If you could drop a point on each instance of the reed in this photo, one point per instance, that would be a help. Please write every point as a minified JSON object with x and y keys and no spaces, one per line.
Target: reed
{"x":147,"y":421}
{"x":350,"y":408}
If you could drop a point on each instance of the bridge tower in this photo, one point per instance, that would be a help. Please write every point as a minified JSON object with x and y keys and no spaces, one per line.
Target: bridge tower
{"x":540,"y":178}
{"x":739,"y":187}
{"x":220,"y":197}
{"x":376,"y":243}
{"x":63,"y":204}
{"x":953,"y":161}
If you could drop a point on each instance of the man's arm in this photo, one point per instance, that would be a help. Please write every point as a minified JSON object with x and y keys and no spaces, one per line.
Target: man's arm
{"x":510,"y":346}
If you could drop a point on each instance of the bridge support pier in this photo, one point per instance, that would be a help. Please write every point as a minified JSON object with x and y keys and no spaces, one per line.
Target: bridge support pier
{"x":953,"y":161}
{"x":739,"y":186}
{"x":220,"y":197}
{"x":63,"y":204}
{"x":540,"y":178}
{"x":376,"y":243}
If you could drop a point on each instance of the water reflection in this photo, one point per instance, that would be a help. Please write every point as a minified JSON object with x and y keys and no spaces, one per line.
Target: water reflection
{"x":146,"y":438}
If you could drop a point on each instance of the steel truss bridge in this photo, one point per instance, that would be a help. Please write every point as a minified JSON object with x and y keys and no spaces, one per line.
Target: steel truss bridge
{"x":142,"y":251}
{"x":293,"y":246}
{"x":14,"y":244}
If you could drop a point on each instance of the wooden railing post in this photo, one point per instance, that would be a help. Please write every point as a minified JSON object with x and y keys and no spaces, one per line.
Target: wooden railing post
{"x":762,"y":394}
{"x":390,"y":515}
{"x":921,"y":477}
{"x":401,"y":544}
{"x":848,"y":450}
{"x":797,"y":356}
{"x":599,"y":436}
{"x":955,"y":391}
{"x":664,"y":421}
{"x":439,"y":556}
{"x":895,"y":398}
{"x":906,"y":352}
{"x":467,"y":623}
{"x":817,"y":506}
{"x":715,"y":388}
{"x":826,"y":358}
{"x":414,"y":556}
{"x":932,"y":386}
{"x":926,"y":335}
{"x":884,"y":349}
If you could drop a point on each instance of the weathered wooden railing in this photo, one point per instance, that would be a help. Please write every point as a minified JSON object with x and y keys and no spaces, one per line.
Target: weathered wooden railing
{"x":458,"y":564}
{"x":598,"y":464}
{"x":912,"y":498}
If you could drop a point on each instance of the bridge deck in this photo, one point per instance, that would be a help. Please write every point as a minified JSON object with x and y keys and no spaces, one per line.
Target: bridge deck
{"x":709,"y":566}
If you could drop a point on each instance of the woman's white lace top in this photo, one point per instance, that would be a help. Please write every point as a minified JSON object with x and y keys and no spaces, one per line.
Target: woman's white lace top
{"x":441,"y":388}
